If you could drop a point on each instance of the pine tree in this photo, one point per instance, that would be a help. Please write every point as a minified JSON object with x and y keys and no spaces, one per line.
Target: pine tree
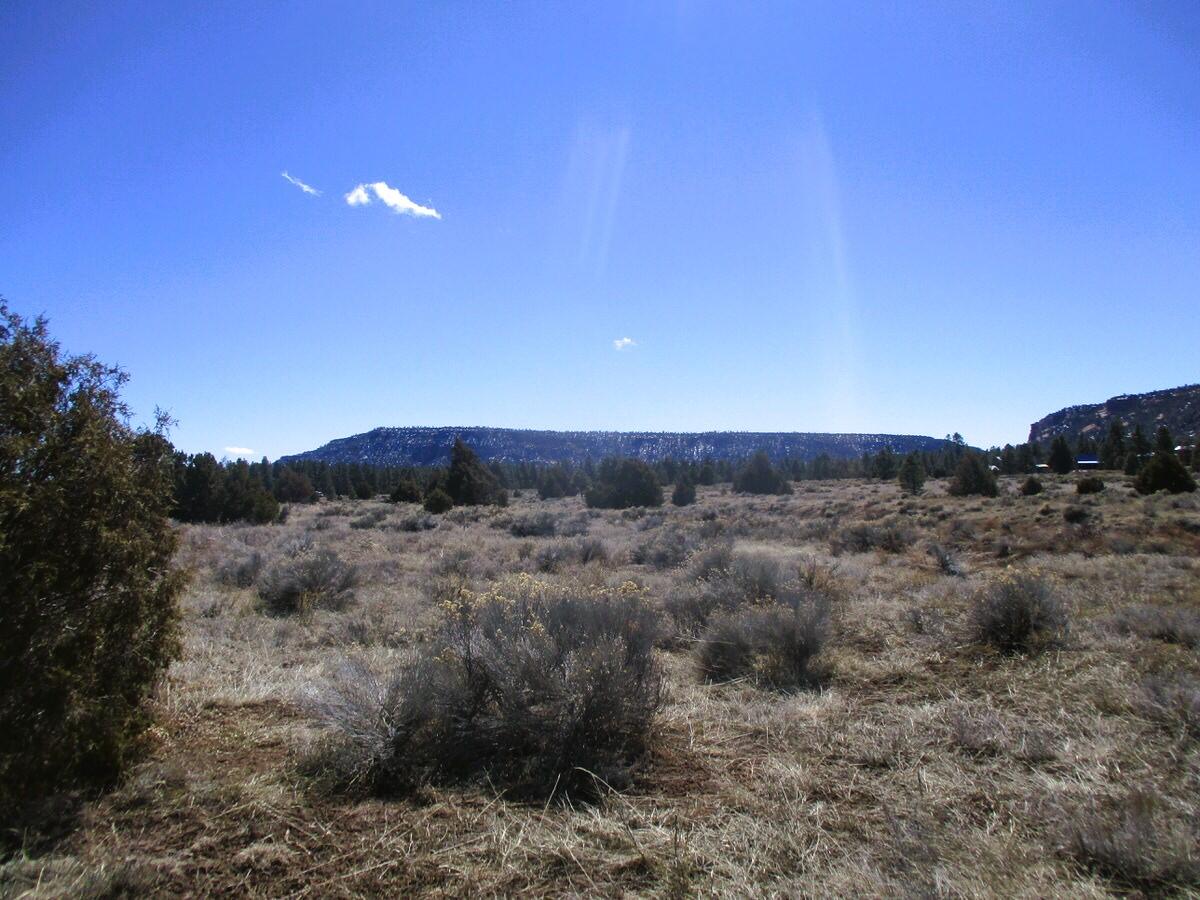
{"x":912,"y":474}
{"x":1112,"y":451}
{"x":623,"y":484}
{"x":972,"y":476}
{"x":884,"y":465}
{"x":469,"y":482}
{"x":1061,"y":460}
{"x":758,"y":476}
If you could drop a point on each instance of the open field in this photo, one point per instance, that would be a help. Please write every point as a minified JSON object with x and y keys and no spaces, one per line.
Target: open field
{"x":925,"y":763}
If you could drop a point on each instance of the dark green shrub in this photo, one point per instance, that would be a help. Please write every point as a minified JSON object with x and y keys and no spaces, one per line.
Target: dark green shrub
{"x":1019,"y":614}
{"x":684,"y":493}
{"x":758,"y":476}
{"x":86,"y":586}
{"x":1089,"y":485}
{"x":1164,"y":472}
{"x":438,"y":501}
{"x":1076,"y":515}
{"x":632,"y":483}
{"x":1031,"y":486}
{"x":538,"y":688}
{"x":307,"y":580}
{"x":972,"y":476}
{"x":406,"y":491}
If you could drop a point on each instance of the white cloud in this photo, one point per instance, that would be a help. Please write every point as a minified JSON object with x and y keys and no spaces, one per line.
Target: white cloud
{"x":624,"y":343}
{"x":240,"y":452}
{"x":392,"y":199}
{"x":308,"y":189}
{"x":358,"y":196}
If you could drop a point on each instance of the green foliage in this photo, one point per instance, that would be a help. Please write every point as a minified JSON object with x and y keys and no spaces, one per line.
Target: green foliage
{"x":623,"y":484}
{"x":684,"y":493}
{"x":406,"y":491}
{"x":293,"y":487}
{"x":1164,"y":472}
{"x":1031,"y":486}
{"x":469,"y":482}
{"x":1089,"y":485}
{"x":758,"y":476}
{"x":912,"y":474}
{"x":883,"y":466}
{"x":972,"y":476}
{"x":438,"y":501}
{"x":1062,"y":458}
{"x":86,"y":587}
{"x":206,"y":491}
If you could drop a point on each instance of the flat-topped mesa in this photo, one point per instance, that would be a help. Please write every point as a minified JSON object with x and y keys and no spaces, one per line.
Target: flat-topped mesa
{"x":1177,"y":408}
{"x":421,"y":446}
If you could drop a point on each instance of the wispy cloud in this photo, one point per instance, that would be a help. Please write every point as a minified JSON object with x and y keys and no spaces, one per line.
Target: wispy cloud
{"x":392,"y":199}
{"x":307,"y":188}
{"x":240,"y":451}
{"x":624,"y":344}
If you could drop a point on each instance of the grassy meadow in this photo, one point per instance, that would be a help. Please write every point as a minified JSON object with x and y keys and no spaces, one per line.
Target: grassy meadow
{"x":918,"y":756}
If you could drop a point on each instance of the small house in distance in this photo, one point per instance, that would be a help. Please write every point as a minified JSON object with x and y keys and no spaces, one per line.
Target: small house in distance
{"x":1087,"y":462}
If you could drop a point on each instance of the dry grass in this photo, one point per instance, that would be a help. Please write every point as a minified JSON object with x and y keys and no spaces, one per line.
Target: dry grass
{"x":926,"y":764}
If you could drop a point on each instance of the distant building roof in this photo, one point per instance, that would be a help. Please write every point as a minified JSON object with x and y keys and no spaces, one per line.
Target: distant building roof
{"x":1087,"y":461}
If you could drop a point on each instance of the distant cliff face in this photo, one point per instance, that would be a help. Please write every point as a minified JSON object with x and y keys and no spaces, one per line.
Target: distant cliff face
{"x":1177,"y":408}
{"x":431,"y":446}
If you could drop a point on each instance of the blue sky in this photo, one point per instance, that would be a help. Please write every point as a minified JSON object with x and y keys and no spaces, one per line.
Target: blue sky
{"x":914,"y":218}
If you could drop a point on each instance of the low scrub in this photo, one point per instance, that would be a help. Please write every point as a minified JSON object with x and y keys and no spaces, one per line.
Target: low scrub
{"x":1089,"y":485}
{"x":1031,"y":487}
{"x":775,"y":645}
{"x":308,"y":580}
{"x":665,"y":549}
{"x":1137,"y":845}
{"x":1019,"y":614}
{"x":240,"y":572}
{"x":542,"y":689}
{"x":541,"y":524}
{"x":1171,"y":625}
{"x":1173,"y":703}
{"x":890,"y":536}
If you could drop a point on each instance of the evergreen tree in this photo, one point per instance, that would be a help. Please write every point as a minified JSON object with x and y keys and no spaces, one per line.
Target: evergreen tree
{"x":406,"y":491}
{"x":1163,"y":442}
{"x":972,"y":476}
{"x":469,"y":482}
{"x":87,"y":588}
{"x":684,"y":493}
{"x":912,"y":474}
{"x":625,"y":483}
{"x":1164,"y":472}
{"x":1112,"y":451}
{"x":293,"y":487}
{"x":884,"y":464}
{"x":438,"y":501}
{"x":1061,"y":460}
{"x":707,"y":474}
{"x":758,"y":476}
